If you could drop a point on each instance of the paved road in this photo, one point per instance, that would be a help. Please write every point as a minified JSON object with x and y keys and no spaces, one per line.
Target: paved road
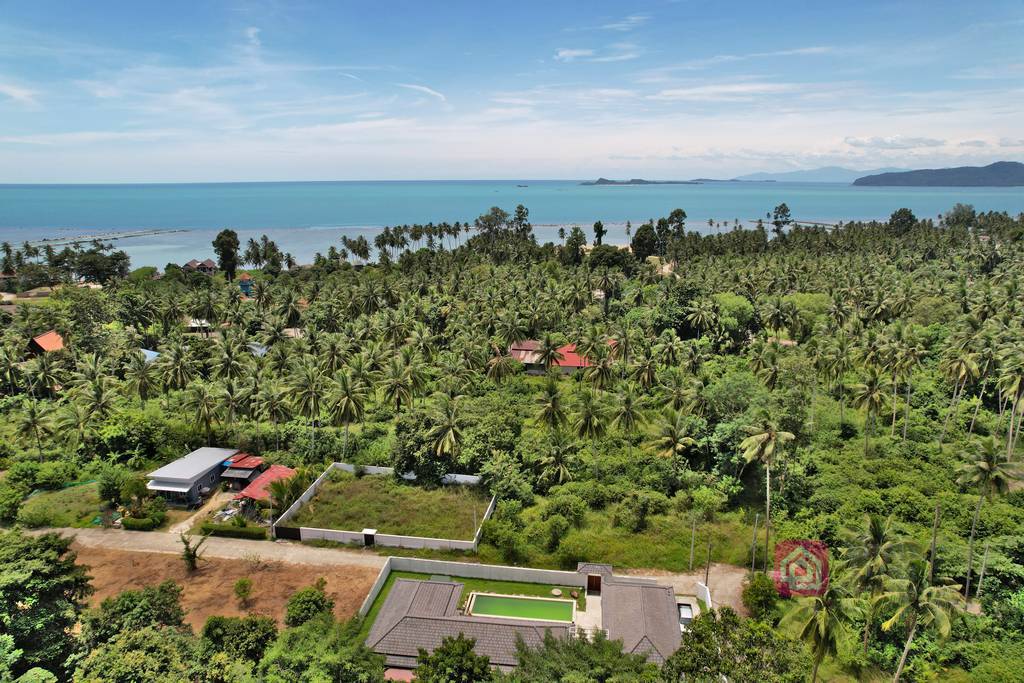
{"x":227,"y":548}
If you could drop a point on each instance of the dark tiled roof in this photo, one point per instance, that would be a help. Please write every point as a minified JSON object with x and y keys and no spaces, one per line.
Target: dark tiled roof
{"x":643,"y":616}
{"x":420,"y":614}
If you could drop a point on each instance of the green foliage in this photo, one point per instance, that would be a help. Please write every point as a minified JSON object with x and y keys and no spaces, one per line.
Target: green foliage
{"x":760,"y":597}
{"x":43,"y":590}
{"x":578,"y":659}
{"x":308,"y":603}
{"x":245,"y":637}
{"x":243,"y":590}
{"x":720,"y":644}
{"x":321,"y":650}
{"x":153,"y":606}
{"x":254,"y":533}
{"x":453,"y":660}
{"x":147,"y":655}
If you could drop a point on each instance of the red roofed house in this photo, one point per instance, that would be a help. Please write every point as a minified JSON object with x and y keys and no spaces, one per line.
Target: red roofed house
{"x":526,"y":353}
{"x":47,"y":342}
{"x":242,"y":470}
{"x":258,"y":490}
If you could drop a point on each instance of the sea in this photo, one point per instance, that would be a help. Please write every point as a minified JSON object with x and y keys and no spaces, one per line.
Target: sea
{"x":158,"y":224}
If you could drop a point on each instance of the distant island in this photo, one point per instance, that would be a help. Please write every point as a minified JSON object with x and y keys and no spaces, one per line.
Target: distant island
{"x":825,"y":174}
{"x":999,"y":174}
{"x":639,"y":181}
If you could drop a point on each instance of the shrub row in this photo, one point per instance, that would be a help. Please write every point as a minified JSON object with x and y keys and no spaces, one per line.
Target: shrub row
{"x":257,"y":533}
{"x":140,"y":523}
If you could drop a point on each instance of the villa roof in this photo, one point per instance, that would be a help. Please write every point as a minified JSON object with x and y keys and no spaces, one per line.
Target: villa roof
{"x":259,"y":489}
{"x":49,"y":341}
{"x":643,"y":616}
{"x":420,"y":614}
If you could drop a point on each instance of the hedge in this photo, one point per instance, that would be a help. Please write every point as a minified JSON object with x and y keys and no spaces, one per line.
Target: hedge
{"x":140,"y":523}
{"x":230,"y":530}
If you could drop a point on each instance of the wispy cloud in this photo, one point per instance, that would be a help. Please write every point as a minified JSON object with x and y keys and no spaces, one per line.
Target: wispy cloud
{"x":423,"y":89}
{"x":973,"y":143}
{"x":724,"y":92}
{"x":894,"y":142}
{"x":565,"y":54}
{"x":616,"y":52}
{"x":629,"y":23}
{"x":19,"y":94}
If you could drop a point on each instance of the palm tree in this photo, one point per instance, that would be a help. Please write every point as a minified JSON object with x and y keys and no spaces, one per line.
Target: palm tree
{"x":672,"y":438}
{"x":140,"y":377}
{"x":591,"y":419}
{"x":397,"y":384}
{"x":551,"y":413}
{"x":202,"y":400}
{"x":308,"y":387}
{"x":919,"y":602}
{"x":823,"y":620}
{"x":871,"y":394}
{"x":961,"y":367}
{"x":871,"y":553}
{"x":272,"y":403}
{"x":992,"y":474}
{"x":765,"y":445}
{"x":97,"y":396}
{"x":35,"y":423}
{"x":9,"y":369}
{"x":557,"y":462}
{"x":628,"y":414}
{"x":548,"y":351}
{"x":346,"y":404}
{"x":75,"y":421}
{"x":445,"y":433}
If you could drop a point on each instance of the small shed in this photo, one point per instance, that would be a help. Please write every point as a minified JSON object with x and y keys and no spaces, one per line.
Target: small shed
{"x":241,"y":470}
{"x":186,"y":480}
{"x":47,"y":342}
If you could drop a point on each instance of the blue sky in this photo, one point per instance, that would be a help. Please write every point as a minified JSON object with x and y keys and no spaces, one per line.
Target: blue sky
{"x":204,"y":91}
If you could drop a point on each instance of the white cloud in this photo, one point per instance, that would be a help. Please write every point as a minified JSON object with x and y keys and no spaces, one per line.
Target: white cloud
{"x":19,"y":94}
{"x":723,"y":92}
{"x":894,"y":142}
{"x":1011,"y":142}
{"x":973,"y":143}
{"x":564,"y":54}
{"x":88,"y":137}
{"x":629,"y":23}
{"x":423,"y":89}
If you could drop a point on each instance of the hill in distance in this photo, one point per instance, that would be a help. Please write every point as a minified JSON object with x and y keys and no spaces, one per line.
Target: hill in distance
{"x":999,"y":174}
{"x":827,"y":174}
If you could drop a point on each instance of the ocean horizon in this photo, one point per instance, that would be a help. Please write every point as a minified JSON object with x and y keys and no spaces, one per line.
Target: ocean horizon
{"x":304,"y":217}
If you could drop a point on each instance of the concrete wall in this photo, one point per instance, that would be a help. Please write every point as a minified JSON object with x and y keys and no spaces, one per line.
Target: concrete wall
{"x":376,"y":588}
{"x":386,"y":540}
{"x":704,"y":593}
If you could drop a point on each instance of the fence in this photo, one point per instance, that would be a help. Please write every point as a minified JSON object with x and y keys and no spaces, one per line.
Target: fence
{"x":704,"y":593}
{"x":281,"y":530}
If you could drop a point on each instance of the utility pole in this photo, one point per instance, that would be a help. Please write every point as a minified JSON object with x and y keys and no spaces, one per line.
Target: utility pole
{"x":693,"y":538}
{"x":707,"y":569}
{"x":753,"y":542}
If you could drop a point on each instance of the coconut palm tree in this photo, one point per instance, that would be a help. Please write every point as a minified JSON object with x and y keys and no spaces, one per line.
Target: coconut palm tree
{"x":871,"y":554}
{"x":919,"y":601}
{"x":556,"y":464}
{"x":74,"y":421}
{"x":202,"y":400}
{"x":991,"y":473}
{"x":871,"y":394}
{"x":671,"y":438}
{"x":628,"y":414}
{"x":591,"y":418}
{"x":823,"y":620}
{"x":765,"y":445}
{"x":548,"y":351}
{"x":445,"y":434}
{"x":397,"y":384}
{"x":141,"y":377}
{"x":346,"y":403}
{"x":551,"y":413}
{"x":35,"y":422}
{"x":308,"y":388}
{"x":10,"y":370}
{"x":272,"y":402}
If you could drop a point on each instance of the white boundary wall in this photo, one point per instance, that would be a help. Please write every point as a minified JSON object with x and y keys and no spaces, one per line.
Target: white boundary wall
{"x":704,"y":593}
{"x":386,"y":540}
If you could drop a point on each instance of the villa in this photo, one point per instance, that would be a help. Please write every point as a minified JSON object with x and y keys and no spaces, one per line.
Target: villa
{"x":206,"y":267}
{"x":187,"y":480}
{"x":641,"y":613}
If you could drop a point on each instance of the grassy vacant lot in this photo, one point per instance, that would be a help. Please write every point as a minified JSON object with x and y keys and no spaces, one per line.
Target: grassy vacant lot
{"x":542,"y":590}
{"x":350,"y":503}
{"x":75,"y":506}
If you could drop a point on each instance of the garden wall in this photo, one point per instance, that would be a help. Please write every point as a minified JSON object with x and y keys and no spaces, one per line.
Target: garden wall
{"x":281,"y":529}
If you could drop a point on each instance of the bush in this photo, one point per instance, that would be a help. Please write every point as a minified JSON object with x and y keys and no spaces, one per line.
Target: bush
{"x":139,"y":523}
{"x":760,"y":597}
{"x":308,"y":603}
{"x":256,"y":533}
{"x":243,"y":590}
{"x":572,"y":508}
{"x":246,"y":637}
{"x":632,"y":513}
{"x":508,"y":539}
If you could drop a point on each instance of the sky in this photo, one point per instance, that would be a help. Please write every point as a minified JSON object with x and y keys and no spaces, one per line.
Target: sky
{"x":246,"y":90}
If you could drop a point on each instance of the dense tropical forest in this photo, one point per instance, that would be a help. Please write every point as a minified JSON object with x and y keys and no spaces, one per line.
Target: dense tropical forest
{"x":860,"y":385}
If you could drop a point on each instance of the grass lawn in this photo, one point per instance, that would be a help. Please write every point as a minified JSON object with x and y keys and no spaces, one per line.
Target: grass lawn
{"x":541,"y":590}
{"x":75,"y":506}
{"x":350,"y":503}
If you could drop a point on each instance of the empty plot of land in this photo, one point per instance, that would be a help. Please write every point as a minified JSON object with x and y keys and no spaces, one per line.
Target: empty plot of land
{"x":209,"y":591}
{"x":350,"y":503}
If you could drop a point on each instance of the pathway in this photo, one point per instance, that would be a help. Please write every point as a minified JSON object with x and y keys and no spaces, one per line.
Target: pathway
{"x":227,"y":548}
{"x":216,"y":501}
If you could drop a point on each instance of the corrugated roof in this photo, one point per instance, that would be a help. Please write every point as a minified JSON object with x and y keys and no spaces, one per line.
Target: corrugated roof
{"x":258,"y":489}
{"x":49,"y":341}
{"x":244,"y":461}
{"x":193,"y":465}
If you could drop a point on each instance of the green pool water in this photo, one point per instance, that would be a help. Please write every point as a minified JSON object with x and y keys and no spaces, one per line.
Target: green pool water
{"x":521,"y":608}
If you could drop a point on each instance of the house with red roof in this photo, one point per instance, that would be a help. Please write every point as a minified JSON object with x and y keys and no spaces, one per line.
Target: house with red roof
{"x":242,"y":470}
{"x":47,"y":342}
{"x":259,"y":490}
{"x":569,"y":360}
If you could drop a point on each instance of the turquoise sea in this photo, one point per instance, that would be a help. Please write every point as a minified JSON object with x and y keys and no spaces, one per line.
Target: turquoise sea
{"x":306,"y":217}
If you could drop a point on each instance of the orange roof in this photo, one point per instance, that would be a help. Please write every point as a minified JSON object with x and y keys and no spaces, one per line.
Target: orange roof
{"x":245,"y":276}
{"x":257,"y":490}
{"x":49,"y":341}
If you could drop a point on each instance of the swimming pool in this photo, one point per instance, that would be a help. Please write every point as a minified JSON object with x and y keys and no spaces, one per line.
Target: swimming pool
{"x":521,"y":607}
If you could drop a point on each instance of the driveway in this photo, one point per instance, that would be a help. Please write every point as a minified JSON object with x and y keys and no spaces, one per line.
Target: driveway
{"x":725,"y":582}
{"x":216,"y":502}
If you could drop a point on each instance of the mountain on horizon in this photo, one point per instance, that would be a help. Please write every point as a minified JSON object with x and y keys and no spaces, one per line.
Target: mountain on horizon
{"x":999,"y":174}
{"x":827,"y":174}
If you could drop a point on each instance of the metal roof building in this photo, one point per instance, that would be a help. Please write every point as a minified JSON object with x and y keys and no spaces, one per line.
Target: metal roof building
{"x":185,"y":479}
